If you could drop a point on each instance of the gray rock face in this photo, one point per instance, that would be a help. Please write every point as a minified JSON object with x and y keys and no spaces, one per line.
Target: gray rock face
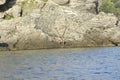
{"x":51,"y":24}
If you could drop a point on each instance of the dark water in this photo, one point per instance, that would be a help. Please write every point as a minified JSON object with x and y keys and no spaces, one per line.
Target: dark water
{"x":61,"y":64}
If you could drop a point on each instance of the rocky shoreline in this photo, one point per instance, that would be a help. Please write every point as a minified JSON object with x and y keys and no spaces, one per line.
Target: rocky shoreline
{"x":38,"y":24}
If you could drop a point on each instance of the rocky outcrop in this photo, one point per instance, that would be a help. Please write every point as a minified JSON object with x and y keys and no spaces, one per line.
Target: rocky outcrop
{"x":37,"y":24}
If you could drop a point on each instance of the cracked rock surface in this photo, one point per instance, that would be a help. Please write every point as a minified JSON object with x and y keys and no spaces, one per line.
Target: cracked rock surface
{"x":37,"y":24}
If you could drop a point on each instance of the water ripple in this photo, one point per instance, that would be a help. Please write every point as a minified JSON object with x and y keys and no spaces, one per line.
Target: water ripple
{"x":61,"y":64}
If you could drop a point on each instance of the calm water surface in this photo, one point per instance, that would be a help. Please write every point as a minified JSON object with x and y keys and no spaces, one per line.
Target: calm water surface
{"x":61,"y":64}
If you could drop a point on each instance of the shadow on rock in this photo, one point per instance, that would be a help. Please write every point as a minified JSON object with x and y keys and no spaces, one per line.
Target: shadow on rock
{"x":7,"y":5}
{"x":4,"y":45}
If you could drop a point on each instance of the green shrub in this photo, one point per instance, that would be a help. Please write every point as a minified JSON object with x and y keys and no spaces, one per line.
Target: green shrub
{"x":114,"y":1}
{"x":108,"y":6}
{"x":111,"y":6}
{"x":117,"y":4}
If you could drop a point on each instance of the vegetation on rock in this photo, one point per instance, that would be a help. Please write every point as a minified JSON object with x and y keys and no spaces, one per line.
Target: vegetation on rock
{"x":28,"y":5}
{"x":111,"y":6}
{"x":8,"y":17}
